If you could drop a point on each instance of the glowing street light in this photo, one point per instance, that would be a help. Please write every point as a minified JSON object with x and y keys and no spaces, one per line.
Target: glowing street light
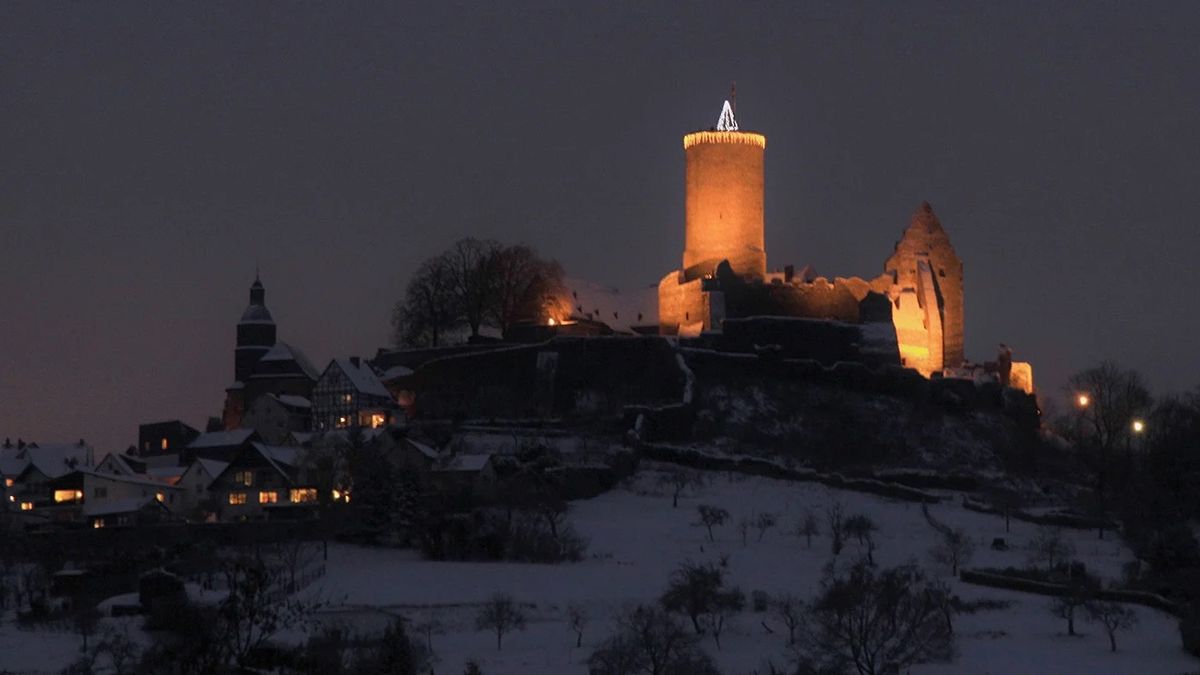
{"x":1138,"y":426}
{"x":1083,"y":400}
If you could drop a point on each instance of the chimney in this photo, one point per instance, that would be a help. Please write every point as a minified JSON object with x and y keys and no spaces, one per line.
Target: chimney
{"x":354,"y":361}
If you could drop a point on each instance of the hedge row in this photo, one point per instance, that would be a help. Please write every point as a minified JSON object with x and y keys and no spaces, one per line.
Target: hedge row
{"x":1056,"y":519}
{"x":755,"y":466}
{"x":1014,"y":583}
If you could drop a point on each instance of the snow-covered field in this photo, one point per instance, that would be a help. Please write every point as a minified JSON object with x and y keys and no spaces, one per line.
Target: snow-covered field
{"x":637,"y":539}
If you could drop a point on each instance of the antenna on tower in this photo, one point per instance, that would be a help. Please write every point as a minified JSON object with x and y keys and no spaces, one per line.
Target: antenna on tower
{"x":733,"y":96}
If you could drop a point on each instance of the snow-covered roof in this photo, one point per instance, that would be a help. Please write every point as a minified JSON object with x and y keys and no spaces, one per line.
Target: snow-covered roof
{"x":110,"y":507}
{"x":362,"y":378}
{"x":620,"y":310}
{"x":282,"y":351}
{"x":221,"y":439}
{"x":10,"y":467}
{"x":57,"y":459}
{"x":167,"y":474}
{"x":279,"y":456}
{"x":466,"y":463}
{"x":422,"y":448}
{"x":212,"y":467}
{"x":118,"y":462}
{"x":256,"y":313}
{"x":292,"y":401}
{"x":395,"y":372}
{"x":133,"y":480}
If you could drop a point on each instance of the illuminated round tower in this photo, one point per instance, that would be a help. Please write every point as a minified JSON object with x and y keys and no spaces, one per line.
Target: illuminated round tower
{"x":724,"y":202}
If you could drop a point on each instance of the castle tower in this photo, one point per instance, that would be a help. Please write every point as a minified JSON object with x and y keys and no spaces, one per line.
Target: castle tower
{"x":927,"y":289}
{"x":724,"y":202}
{"x":255,"y":333}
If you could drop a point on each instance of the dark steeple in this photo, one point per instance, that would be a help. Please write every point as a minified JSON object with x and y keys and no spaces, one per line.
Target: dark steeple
{"x":255,"y":333}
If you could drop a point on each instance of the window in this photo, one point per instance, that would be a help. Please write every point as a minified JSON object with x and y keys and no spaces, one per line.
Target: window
{"x":237,"y":498}
{"x":123,"y":520}
{"x":244,"y":478}
{"x":164,"y":444}
{"x":8,"y":482}
{"x":26,"y":506}
{"x":268,"y":497}
{"x":100,"y":492}
{"x":347,"y":398}
{"x":160,"y":497}
{"x":342,"y":422}
{"x":98,"y":523}
{"x":303,"y":495}
{"x":377,"y":420}
{"x":61,"y":496}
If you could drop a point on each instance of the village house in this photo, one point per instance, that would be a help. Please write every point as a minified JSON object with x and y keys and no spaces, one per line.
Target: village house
{"x":81,"y":493}
{"x":276,"y":416}
{"x":199,"y":502}
{"x":349,"y":395}
{"x":163,"y":438}
{"x":219,"y":445}
{"x":263,"y":482}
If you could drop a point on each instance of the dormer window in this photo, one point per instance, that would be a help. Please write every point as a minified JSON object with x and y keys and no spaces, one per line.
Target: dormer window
{"x":165,"y":444}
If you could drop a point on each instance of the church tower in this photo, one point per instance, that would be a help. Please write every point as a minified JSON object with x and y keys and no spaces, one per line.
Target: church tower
{"x":724,"y":202}
{"x":255,"y":333}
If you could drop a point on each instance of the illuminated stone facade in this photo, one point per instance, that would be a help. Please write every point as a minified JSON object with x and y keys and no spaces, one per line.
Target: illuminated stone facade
{"x":724,"y":272}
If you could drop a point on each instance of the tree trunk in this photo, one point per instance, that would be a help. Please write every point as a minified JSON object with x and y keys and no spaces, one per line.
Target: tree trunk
{"x":1112,"y":641}
{"x":1070,"y":622}
{"x":499,"y":636}
{"x":579,"y":639}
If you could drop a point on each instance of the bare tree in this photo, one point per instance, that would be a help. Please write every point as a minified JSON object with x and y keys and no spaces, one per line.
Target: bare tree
{"x":1114,"y":617}
{"x":526,"y":286}
{"x":836,"y":518}
{"x":257,"y":606}
{"x":1050,"y":547}
{"x":648,"y":640}
{"x":679,"y":480}
{"x":808,"y":527}
{"x":861,"y":527}
{"x":430,"y":625}
{"x":471,"y":264}
{"x":577,"y":619}
{"x":725,"y":604}
{"x":954,"y":550}
{"x":790,"y":611}
{"x":501,"y":615}
{"x":1065,"y":606}
{"x":711,"y":516}
{"x":1102,"y":424}
{"x":763,"y":522}
{"x":429,"y":309}
{"x":743,"y":527}
{"x":694,"y":590}
{"x":877,"y":622}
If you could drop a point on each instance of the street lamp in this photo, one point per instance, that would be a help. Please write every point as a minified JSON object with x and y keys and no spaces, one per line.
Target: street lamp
{"x":1083,"y":400}
{"x":1138,"y":426}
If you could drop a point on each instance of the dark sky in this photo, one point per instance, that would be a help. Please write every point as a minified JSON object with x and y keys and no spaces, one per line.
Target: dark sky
{"x":152,"y":153}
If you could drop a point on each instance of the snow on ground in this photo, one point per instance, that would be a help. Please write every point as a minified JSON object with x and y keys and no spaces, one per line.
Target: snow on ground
{"x":637,"y":539}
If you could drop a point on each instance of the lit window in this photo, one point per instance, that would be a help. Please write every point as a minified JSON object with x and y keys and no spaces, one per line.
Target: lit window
{"x":377,"y":420}
{"x":61,"y":496}
{"x":8,"y":482}
{"x":160,"y":497}
{"x":164,"y":444}
{"x":26,"y":506}
{"x":12,"y":498}
{"x":303,"y":495}
{"x":244,"y":478}
{"x":236,"y":498}
{"x":268,"y":497}
{"x":342,"y":422}
{"x":347,"y":398}
{"x":98,"y":523}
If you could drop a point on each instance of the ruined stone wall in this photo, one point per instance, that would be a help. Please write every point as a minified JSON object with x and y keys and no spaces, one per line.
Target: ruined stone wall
{"x":925,"y":240}
{"x":683,"y":304}
{"x":724,"y":202}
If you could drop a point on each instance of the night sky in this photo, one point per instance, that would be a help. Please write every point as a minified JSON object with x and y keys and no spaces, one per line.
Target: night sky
{"x":151,"y":154}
